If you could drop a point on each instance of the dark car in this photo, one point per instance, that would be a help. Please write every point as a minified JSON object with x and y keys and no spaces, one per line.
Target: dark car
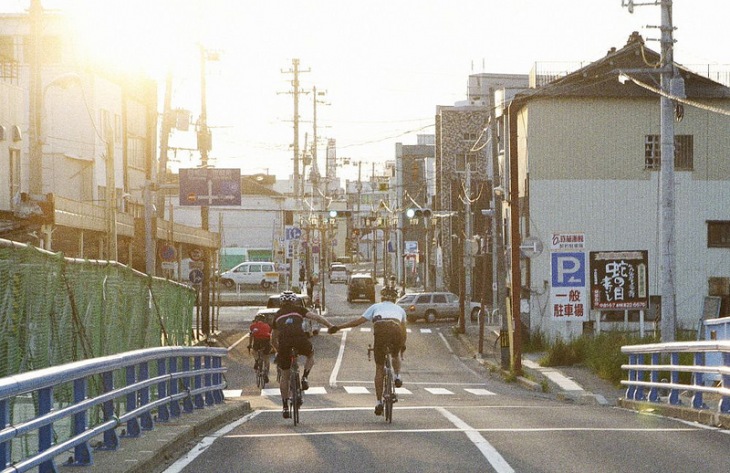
{"x":274,"y":304}
{"x":361,"y":286}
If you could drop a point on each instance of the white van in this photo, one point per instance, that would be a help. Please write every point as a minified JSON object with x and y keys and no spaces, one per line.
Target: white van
{"x":258,"y":273}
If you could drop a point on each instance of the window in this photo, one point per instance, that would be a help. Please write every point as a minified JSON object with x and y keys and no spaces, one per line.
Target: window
{"x":439,"y":299}
{"x":470,"y":136}
{"x":136,"y":152}
{"x":718,"y":234}
{"x":683,"y":152}
{"x":7,"y":47}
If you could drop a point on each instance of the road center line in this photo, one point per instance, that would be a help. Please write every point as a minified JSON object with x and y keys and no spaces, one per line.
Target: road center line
{"x":498,"y":462}
{"x":338,"y":362}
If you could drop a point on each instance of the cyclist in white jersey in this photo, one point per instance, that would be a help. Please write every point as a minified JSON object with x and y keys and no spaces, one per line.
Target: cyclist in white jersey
{"x":389,"y":328}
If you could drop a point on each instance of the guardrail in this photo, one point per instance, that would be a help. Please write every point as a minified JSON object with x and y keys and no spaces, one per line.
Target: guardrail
{"x":657,"y":353}
{"x":65,"y":407}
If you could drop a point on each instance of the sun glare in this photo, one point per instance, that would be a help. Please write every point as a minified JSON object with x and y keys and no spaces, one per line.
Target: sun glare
{"x":146,"y":36}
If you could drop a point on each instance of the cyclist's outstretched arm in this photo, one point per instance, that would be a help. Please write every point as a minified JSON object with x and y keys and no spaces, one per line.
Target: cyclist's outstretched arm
{"x":320,"y":319}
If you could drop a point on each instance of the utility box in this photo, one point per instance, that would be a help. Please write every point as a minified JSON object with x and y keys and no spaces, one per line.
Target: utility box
{"x":715,"y":329}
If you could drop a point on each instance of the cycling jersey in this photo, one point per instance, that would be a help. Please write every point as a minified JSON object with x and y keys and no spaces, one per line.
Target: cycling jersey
{"x":260,"y":329}
{"x":288,"y":322}
{"x":385,"y":311}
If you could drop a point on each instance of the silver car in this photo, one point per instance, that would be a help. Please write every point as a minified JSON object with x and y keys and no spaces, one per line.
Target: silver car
{"x":431,"y":306}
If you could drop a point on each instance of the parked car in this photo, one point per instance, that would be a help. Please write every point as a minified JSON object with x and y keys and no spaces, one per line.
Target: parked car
{"x":338,"y":273}
{"x":361,"y":286}
{"x":273,"y":304}
{"x":258,"y":273}
{"x":431,"y":306}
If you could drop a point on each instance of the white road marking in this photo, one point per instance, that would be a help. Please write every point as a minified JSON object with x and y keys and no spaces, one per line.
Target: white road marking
{"x":232,"y":392}
{"x":203,"y":445}
{"x":498,"y":462}
{"x":448,"y":347}
{"x":338,"y":362}
{"x":237,"y":342}
{"x":312,"y":390}
{"x":356,"y":390}
{"x":438,"y":391}
{"x":365,"y":329}
{"x":480,"y":392}
{"x":426,"y":330}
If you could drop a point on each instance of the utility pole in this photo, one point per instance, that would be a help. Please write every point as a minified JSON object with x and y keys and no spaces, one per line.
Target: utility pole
{"x":669,"y":77}
{"x":204,"y":145}
{"x":36,"y":99}
{"x":466,"y":252}
{"x":297,"y":184}
{"x":498,"y":267}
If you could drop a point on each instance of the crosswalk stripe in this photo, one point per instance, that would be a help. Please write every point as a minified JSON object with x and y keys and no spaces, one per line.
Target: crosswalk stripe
{"x":318,"y":390}
{"x":232,"y":393}
{"x":426,"y":330}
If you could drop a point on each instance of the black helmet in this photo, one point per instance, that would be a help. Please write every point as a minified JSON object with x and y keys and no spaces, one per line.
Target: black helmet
{"x":259,"y":317}
{"x":288,"y":297}
{"x":388,"y":294}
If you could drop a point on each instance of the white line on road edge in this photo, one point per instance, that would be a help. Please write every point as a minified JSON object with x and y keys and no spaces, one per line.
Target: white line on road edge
{"x":446,"y":343}
{"x":338,"y":362}
{"x":499,"y":464}
{"x":237,"y":342}
{"x":203,"y":445}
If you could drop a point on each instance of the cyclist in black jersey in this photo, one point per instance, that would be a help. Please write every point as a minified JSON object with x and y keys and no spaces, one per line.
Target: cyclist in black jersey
{"x":288,"y":333}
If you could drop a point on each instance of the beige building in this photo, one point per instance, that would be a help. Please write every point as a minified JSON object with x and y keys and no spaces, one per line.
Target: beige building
{"x":587,"y":150}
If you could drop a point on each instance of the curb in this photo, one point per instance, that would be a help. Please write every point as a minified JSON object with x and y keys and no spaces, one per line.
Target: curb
{"x":704,"y":417}
{"x":156,"y":449}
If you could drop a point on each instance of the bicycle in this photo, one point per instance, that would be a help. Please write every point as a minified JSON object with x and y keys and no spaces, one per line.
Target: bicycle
{"x":262,"y":368}
{"x":295,"y":386}
{"x":389,"y":396}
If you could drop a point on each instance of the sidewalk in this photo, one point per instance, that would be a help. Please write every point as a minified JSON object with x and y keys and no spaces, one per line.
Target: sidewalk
{"x":574,"y":383}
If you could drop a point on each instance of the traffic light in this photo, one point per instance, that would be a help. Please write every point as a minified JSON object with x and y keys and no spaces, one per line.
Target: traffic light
{"x":418,"y":213}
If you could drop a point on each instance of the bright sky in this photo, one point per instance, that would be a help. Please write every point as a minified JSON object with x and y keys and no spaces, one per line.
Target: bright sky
{"x":385,"y":64}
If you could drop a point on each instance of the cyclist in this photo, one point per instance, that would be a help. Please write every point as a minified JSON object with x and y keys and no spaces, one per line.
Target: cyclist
{"x":288,"y":333}
{"x":260,"y":339}
{"x":389,"y":328}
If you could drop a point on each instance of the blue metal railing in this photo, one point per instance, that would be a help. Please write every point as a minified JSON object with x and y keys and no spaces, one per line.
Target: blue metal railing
{"x":84,"y":398}
{"x":656,"y":353}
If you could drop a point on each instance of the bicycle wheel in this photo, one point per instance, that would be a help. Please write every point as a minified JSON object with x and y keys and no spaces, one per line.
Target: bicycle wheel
{"x":294,"y":393}
{"x":389,"y":390}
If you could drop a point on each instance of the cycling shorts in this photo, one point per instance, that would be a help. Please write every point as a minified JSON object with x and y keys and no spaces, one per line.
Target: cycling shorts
{"x":302,"y":344}
{"x":386,"y":333}
{"x":262,"y":344}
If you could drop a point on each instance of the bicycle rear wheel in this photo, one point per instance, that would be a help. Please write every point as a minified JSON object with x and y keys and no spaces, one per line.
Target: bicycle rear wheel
{"x":294,"y":394}
{"x":389,"y":390}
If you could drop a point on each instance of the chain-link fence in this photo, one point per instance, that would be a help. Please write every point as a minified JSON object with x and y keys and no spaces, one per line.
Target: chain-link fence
{"x":54,"y":310}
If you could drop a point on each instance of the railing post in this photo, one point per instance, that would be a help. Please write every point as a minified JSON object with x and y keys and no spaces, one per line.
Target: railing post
{"x":144,"y":396}
{"x":187,"y":402}
{"x":82,"y":453}
{"x":725,"y":401}
{"x":111,"y":440}
{"x":698,"y":380}
{"x":4,"y":422}
{"x":631,"y":390}
{"x":133,"y":429}
{"x":217,"y":379}
{"x":174,"y":404}
{"x":654,"y":378}
{"x":45,"y":433}
{"x":640,"y":375}
{"x":198,"y":382}
{"x":163,"y":414}
{"x":208,"y":381}
{"x":674,"y":376}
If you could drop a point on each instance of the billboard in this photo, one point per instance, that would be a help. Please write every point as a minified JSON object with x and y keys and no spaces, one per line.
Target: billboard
{"x":619,"y":279}
{"x":568,"y":298}
{"x":210,"y":186}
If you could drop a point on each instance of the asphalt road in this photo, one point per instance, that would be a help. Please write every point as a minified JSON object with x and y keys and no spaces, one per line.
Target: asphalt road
{"x":452,"y":415}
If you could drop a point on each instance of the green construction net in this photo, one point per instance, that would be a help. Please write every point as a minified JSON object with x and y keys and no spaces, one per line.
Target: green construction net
{"x":54,"y":310}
